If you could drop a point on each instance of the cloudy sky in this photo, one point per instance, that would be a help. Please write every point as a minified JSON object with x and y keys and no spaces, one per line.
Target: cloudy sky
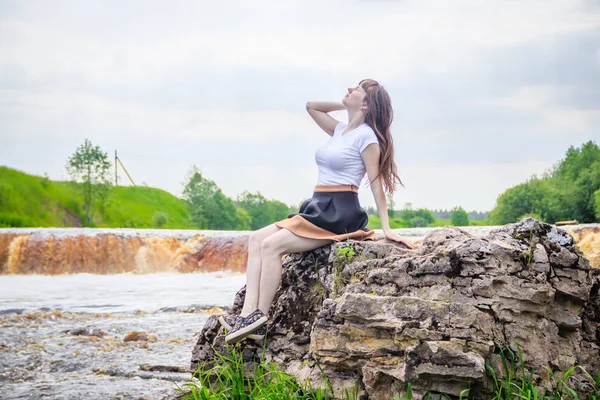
{"x":485,"y":93}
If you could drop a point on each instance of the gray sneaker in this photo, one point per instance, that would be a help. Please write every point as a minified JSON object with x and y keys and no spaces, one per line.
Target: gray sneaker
{"x":245,"y":326}
{"x":259,"y":334}
{"x":228,"y":322}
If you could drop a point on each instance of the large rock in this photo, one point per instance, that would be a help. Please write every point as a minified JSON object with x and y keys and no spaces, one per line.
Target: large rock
{"x":378,"y":316}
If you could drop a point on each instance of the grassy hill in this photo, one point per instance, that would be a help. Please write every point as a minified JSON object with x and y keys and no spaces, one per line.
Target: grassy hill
{"x":33,"y":201}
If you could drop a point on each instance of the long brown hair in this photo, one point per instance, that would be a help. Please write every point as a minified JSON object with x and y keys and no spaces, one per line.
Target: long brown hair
{"x":379,"y":117}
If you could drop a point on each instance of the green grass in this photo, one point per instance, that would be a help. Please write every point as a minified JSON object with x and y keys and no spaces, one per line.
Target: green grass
{"x":446,"y":222}
{"x":517,"y":382}
{"x":129,"y":206}
{"x":33,"y":201}
{"x":397,"y":223}
{"x":229,"y":378}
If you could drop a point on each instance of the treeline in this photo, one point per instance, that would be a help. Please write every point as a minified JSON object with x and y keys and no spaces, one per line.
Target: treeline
{"x":210,"y":209}
{"x":568,"y":191}
{"x":422,"y":217}
{"x":473,"y":215}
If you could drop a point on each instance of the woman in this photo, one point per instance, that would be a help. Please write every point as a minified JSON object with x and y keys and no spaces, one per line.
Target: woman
{"x":362,"y":145}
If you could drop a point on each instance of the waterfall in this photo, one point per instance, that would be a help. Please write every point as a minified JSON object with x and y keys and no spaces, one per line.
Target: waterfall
{"x":56,"y":251}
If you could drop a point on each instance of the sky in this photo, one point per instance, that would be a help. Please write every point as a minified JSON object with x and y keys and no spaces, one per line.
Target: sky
{"x":485,"y":94}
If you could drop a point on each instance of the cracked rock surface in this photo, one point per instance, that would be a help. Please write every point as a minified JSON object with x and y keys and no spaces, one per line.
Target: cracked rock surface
{"x":378,"y":316}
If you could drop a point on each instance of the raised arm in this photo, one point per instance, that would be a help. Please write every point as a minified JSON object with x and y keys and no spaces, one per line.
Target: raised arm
{"x":318,"y":111}
{"x":370,"y":157}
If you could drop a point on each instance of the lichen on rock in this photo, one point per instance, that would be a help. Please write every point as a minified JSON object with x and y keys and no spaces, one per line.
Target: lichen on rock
{"x":433,"y":316}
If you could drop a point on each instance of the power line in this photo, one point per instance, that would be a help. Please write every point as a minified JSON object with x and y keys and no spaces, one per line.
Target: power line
{"x":238,"y":164}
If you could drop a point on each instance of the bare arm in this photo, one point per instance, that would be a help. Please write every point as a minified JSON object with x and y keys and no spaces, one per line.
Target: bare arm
{"x":319,"y":110}
{"x":370,"y":157}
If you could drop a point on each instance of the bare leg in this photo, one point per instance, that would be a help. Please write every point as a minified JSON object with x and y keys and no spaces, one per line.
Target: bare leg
{"x":253,"y":268}
{"x":273,"y":247}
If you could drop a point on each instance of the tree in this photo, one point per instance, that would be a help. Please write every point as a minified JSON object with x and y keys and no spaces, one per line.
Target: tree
{"x":370,"y":210}
{"x":90,"y":167}
{"x":391,"y":205}
{"x":261,"y":210}
{"x":423,"y":217}
{"x":244,"y":220}
{"x":198,"y":192}
{"x":459,"y":217}
{"x":597,"y":200}
{"x":416,"y":218}
{"x":579,"y":175}
{"x":519,"y":200}
{"x":224,"y":215}
{"x":209,"y":207}
{"x":563,"y":193}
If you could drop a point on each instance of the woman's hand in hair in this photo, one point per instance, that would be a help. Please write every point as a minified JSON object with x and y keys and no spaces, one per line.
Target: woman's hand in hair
{"x":391,"y":235}
{"x":319,"y":110}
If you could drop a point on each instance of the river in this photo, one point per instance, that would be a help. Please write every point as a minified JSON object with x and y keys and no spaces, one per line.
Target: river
{"x":73,"y":300}
{"x":62,"y":337}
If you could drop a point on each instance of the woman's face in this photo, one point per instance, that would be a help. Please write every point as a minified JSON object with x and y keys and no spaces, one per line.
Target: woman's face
{"x":355,"y":98}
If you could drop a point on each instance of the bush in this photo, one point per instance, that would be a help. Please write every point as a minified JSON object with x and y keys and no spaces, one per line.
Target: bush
{"x":159,"y":219}
{"x":11,"y":220}
{"x":530,"y":215}
{"x":459,"y":217}
{"x":45,"y":181}
{"x":417,"y":218}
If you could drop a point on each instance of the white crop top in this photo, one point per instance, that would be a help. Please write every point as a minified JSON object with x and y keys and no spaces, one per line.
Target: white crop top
{"x":339,"y":158}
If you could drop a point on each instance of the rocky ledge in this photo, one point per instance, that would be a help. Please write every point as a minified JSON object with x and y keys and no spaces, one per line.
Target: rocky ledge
{"x":374,"y":315}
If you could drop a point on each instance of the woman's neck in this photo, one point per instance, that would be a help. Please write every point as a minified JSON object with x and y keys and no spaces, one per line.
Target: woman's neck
{"x":355,"y":119}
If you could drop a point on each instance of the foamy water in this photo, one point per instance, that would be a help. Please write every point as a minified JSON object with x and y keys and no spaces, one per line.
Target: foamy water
{"x":120,"y":293}
{"x":63,"y":337}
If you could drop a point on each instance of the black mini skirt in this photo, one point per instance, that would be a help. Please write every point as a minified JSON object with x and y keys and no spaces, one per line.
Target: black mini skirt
{"x":330,"y":215}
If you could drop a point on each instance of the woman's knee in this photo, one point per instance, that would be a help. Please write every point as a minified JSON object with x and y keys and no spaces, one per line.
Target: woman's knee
{"x":255,"y":241}
{"x":258,"y":237}
{"x":270,"y":247}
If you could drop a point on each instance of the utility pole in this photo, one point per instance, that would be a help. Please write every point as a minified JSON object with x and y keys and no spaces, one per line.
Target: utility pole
{"x":124,"y":169}
{"x":118,"y":160}
{"x":116,"y":177}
